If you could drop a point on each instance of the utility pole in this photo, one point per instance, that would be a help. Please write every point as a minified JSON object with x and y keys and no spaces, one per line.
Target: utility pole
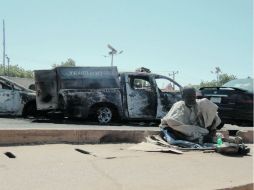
{"x":4,"y":47}
{"x":173,"y":74}
{"x":8,"y":61}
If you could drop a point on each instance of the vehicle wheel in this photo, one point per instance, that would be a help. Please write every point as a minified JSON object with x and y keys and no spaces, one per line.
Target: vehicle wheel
{"x":104,"y":115}
{"x":30,"y":110}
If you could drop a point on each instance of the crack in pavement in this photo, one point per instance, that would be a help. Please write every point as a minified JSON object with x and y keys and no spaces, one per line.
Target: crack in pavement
{"x":105,"y":175}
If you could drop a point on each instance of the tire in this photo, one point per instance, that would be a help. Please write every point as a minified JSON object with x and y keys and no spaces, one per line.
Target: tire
{"x":104,"y":115}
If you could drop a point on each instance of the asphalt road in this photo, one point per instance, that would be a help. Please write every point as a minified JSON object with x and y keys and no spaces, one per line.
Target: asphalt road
{"x":114,"y":166}
{"x":20,"y":123}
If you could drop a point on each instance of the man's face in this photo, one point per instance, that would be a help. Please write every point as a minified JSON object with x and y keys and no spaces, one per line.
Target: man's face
{"x":190,"y":100}
{"x":189,"y":96}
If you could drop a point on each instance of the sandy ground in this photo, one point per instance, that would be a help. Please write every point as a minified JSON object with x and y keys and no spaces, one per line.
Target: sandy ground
{"x":113,"y":166}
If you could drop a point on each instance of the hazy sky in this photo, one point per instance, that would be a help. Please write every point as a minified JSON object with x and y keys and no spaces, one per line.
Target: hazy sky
{"x":189,"y":36}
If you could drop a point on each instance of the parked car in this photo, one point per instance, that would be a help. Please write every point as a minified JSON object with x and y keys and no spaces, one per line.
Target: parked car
{"x":15,"y":99}
{"x":105,"y":94}
{"x":235,"y":101}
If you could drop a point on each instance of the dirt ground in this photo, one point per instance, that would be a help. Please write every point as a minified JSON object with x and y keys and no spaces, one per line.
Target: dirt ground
{"x":114,"y":166}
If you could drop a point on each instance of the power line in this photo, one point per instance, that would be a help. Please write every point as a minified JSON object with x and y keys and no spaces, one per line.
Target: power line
{"x":173,"y":73}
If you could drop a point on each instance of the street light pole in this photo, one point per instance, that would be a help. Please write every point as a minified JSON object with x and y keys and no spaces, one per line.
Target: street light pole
{"x":112,"y":53}
{"x":4,"y":47}
{"x":8,"y":61}
{"x":112,"y":57}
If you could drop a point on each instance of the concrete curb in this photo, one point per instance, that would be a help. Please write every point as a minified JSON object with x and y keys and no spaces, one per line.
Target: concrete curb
{"x":89,"y":136}
{"x":40,"y":136}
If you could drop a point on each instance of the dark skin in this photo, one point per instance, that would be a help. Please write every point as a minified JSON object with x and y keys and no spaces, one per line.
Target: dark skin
{"x":189,"y":96}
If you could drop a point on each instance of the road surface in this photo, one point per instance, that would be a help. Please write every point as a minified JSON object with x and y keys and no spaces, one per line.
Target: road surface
{"x":115,"y":167}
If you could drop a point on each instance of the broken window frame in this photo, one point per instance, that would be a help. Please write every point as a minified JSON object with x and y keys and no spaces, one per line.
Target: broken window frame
{"x":146,"y":83}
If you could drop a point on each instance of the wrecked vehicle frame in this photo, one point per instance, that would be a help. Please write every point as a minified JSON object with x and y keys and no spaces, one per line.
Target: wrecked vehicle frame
{"x":16,"y":100}
{"x":104,"y":94}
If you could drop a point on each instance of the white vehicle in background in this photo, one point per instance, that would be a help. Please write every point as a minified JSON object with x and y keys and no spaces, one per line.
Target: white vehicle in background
{"x":16,"y":100}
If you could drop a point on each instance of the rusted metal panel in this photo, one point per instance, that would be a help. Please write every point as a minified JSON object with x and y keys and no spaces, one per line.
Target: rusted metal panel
{"x":141,"y":98}
{"x":76,"y":89}
{"x":78,"y":103}
{"x":49,"y":82}
{"x":6,"y":101}
{"x":87,"y":77}
{"x":13,"y":97}
{"x":46,"y":89}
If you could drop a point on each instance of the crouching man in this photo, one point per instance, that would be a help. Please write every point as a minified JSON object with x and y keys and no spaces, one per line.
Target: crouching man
{"x":191,"y":120}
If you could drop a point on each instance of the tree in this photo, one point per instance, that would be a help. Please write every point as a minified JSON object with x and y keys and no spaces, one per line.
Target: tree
{"x":217,"y":72}
{"x":208,"y":83}
{"x":222,"y":79}
{"x":69,"y":63}
{"x":16,"y":71}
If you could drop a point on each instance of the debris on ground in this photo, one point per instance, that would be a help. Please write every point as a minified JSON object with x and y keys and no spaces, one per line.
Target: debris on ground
{"x":155,"y":143}
{"x":149,"y":147}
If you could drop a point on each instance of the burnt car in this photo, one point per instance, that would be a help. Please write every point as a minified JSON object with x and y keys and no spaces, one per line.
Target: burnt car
{"x":16,"y":100}
{"x":234,"y":99}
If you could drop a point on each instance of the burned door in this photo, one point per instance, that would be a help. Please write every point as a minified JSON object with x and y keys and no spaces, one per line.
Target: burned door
{"x":9,"y":98}
{"x":168,"y":92}
{"x":46,"y":89}
{"x":141,"y":97}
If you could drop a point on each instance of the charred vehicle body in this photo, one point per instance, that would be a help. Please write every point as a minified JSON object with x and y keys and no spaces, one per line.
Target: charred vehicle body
{"x":104,"y":93}
{"x":15,"y":99}
{"x":234,"y":99}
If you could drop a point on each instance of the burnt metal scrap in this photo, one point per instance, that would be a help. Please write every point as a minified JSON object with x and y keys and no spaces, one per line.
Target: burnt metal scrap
{"x":103,"y":93}
{"x":15,"y":99}
{"x":143,"y":69}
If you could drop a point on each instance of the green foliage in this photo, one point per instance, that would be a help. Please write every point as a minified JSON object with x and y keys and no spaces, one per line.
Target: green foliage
{"x":16,"y":71}
{"x":222,"y":79}
{"x":69,"y":63}
{"x":208,"y":83}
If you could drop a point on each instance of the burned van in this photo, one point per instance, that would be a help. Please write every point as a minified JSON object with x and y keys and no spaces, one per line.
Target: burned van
{"x":105,"y":94}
